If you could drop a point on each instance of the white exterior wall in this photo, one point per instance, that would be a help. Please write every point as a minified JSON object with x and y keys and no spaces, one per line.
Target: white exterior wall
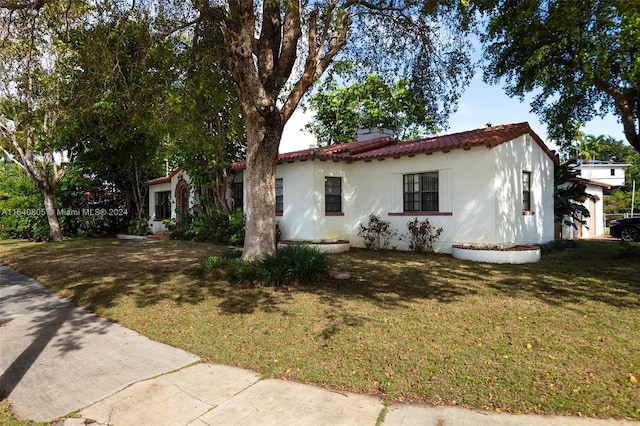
{"x":601,"y":172}
{"x":300,"y":211}
{"x":464,"y":179}
{"x":596,"y":210}
{"x":157,"y":225}
{"x":480,"y":196}
{"x":512,"y":158}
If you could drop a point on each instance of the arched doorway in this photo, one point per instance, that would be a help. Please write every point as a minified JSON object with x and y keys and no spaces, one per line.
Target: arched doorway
{"x":182,"y":199}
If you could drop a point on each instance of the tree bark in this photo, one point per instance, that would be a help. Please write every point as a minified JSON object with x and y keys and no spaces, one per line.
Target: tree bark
{"x":260,"y":68}
{"x":263,"y":138}
{"x":52,"y":216}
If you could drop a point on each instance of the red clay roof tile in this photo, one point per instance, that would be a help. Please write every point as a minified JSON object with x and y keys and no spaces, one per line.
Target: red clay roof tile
{"x":389,"y":147}
{"x":164,"y":179}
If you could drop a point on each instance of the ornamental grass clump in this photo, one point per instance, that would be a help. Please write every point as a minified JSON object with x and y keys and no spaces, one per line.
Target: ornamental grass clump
{"x":296,"y":263}
{"x":299,"y":264}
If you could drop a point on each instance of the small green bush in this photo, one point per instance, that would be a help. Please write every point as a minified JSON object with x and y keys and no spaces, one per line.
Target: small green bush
{"x":305,"y":264}
{"x":139,"y":226}
{"x":557,"y":245}
{"x":212,"y":226}
{"x":277,"y":271}
{"x":211,"y":267}
{"x":242,"y":271}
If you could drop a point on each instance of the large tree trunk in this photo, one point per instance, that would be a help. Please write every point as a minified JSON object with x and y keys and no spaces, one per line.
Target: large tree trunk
{"x":261,"y":68}
{"x":52,"y":216}
{"x":263,"y":138}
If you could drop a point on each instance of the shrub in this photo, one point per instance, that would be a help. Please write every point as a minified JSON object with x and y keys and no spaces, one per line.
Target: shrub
{"x":237,"y":222}
{"x":212,"y":226}
{"x":242,"y":271}
{"x":231,"y":268}
{"x":421,"y":235}
{"x":277,"y":271}
{"x":139,"y":226}
{"x":292,"y":264}
{"x":556,"y":245}
{"x":377,"y":234}
{"x":211,"y":267}
{"x":295,"y":263}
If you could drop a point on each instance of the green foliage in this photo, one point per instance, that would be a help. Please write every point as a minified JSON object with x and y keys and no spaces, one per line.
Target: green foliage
{"x":421,"y":235}
{"x":21,"y":206}
{"x":620,"y":201}
{"x":568,"y":196}
{"x":139,"y":226}
{"x":239,"y":271}
{"x":299,"y":264}
{"x":377,"y":233}
{"x":579,"y":58}
{"x":372,"y":104}
{"x":557,"y":245}
{"x":116,"y":84}
{"x":206,"y":127}
{"x":213,"y":225}
{"x":90,"y":206}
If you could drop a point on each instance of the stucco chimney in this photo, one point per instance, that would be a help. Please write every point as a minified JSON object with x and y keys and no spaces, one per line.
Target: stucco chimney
{"x":368,"y":134}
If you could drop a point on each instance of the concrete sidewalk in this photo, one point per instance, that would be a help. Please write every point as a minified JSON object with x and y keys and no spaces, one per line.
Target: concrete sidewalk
{"x":58,"y":359}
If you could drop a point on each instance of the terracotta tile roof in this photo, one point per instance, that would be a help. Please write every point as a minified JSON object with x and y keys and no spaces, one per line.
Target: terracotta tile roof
{"x":579,"y":179}
{"x":392,"y":148}
{"x":164,"y":179}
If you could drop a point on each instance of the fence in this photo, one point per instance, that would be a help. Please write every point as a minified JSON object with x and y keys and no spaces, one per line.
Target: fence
{"x":611,"y":216}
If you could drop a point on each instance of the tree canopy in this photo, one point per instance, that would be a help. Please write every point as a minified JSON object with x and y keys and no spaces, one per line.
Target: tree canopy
{"x":579,"y":59}
{"x":277,"y":50}
{"x":31,"y":47}
{"x":116,"y":85}
{"x":207,"y":129}
{"x":372,"y":103}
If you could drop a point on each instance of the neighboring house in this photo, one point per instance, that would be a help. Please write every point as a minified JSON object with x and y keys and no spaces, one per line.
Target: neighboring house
{"x":594,"y":224}
{"x":169,"y":197}
{"x":486,"y":186}
{"x":606,"y":172}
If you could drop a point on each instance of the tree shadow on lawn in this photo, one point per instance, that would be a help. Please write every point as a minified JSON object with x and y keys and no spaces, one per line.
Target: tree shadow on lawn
{"x":152,"y":273}
{"x":595,"y":271}
{"x":96,"y":273}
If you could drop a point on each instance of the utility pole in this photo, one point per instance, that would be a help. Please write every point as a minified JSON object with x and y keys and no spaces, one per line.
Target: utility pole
{"x":633,"y":196}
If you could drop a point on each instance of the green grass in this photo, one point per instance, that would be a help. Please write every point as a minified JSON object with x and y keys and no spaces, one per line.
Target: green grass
{"x":560,"y":336}
{"x":8,"y":419}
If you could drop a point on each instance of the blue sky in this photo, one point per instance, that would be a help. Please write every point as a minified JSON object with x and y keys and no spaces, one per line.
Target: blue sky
{"x":479,"y":105}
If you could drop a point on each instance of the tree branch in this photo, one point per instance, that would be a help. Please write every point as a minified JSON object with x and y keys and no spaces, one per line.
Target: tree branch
{"x":316,"y":63}
{"x":626,"y":113}
{"x":16,"y":5}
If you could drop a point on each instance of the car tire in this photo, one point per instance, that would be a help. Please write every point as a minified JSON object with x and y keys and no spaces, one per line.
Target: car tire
{"x":630,"y":233}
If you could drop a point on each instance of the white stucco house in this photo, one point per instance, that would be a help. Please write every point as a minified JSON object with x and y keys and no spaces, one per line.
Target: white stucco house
{"x":490,"y":186}
{"x":168,"y":197}
{"x":607,"y":172}
{"x":487,"y":186}
{"x":594,"y":224}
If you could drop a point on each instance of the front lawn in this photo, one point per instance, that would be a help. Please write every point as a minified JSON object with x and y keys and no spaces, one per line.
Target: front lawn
{"x":560,"y":336}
